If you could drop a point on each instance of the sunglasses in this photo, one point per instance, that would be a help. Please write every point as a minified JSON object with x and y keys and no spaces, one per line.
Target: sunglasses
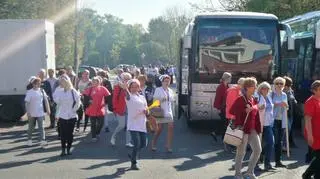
{"x":279,"y":84}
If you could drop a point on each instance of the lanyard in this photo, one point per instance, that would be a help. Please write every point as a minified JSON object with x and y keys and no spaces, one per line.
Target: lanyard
{"x":167,"y":94}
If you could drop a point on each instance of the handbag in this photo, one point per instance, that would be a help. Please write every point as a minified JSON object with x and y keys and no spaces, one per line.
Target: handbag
{"x":234,"y":136}
{"x":157,"y":112}
{"x":45,"y":103}
{"x":87,"y":99}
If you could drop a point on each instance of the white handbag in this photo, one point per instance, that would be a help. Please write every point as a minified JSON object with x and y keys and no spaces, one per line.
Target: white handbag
{"x":234,"y":136}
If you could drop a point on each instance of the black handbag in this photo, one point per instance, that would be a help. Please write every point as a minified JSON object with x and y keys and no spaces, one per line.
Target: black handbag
{"x":87,"y":100}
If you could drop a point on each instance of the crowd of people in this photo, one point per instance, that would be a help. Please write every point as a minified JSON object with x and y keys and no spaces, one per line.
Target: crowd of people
{"x":265,"y":114}
{"x":68,"y":100}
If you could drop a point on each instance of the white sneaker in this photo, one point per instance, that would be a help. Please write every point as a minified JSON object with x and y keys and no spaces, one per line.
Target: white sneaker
{"x":129,"y":145}
{"x":43,"y":143}
{"x":113,"y":141}
{"x":29,"y":143}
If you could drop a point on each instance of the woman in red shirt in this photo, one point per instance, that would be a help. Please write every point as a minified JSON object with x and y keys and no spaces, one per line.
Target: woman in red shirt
{"x":312,"y":132}
{"x":220,"y":99}
{"x":96,"y":109}
{"x":246,"y":107}
{"x":120,"y":108}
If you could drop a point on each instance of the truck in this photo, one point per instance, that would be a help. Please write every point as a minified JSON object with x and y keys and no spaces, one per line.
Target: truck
{"x":242,"y":43}
{"x":26,"y":47}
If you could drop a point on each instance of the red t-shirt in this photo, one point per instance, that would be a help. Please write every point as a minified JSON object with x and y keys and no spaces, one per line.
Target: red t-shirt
{"x":312,"y":109}
{"x":97,"y":107}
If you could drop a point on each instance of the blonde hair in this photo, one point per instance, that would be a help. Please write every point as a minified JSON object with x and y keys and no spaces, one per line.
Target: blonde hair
{"x":264,"y":85}
{"x":279,"y":79}
{"x":126,"y":76}
{"x":65,"y":82}
{"x":241,"y":81}
{"x":249,"y":82}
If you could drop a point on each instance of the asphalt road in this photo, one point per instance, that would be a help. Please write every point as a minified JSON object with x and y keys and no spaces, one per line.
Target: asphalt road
{"x":195,"y":155}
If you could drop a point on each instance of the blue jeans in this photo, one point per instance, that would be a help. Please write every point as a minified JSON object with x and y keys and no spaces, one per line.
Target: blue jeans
{"x":268,"y":144}
{"x":278,"y":134}
{"x":139,"y":140}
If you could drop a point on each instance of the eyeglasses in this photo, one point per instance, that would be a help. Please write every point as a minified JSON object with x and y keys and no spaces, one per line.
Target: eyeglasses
{"x":279,"y":84}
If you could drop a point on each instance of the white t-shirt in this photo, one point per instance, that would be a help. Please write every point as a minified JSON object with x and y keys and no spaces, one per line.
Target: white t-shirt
{"x":166,"y":98}
{"x":136,"y":119}
{"x":35,"y":100}
{"x":83,"y":85}
{"x":65,"y":102}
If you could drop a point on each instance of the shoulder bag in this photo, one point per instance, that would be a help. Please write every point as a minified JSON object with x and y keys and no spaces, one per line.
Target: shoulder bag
{"x":234,"y":136}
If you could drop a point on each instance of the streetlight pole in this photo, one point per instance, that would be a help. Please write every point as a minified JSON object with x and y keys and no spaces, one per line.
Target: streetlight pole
{"x":76,"y":59}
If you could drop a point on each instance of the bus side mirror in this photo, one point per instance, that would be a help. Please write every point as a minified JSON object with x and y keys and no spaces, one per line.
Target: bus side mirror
{"x":187,"y":42}
{"x":289,"y":33}
{"x":318,"y":35}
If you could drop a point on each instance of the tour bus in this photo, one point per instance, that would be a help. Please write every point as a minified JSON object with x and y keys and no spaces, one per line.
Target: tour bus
{"x":242,"y":43}
{"x":302,"y":64}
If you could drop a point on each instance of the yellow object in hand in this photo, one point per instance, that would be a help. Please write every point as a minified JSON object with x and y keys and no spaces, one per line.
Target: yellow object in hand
{"x":156,"y":103}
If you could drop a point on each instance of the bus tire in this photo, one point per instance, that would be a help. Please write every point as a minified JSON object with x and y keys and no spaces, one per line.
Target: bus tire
{"x":11,"y":109}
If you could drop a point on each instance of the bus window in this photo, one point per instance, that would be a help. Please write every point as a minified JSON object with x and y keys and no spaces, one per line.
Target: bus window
{"x":308,"y":62}
{"x":300,"y":66}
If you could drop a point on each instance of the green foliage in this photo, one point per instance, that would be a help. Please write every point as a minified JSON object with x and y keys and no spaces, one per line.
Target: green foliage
{"x":117,"y":43}
{"x":104,"y":40}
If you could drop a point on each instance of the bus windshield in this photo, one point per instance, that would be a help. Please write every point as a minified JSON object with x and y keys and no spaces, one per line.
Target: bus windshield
{"x":239,"y":46}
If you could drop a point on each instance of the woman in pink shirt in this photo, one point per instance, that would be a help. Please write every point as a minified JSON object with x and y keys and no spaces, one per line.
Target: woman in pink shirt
{"x":232,"y":94}
{"x":96,"y":109}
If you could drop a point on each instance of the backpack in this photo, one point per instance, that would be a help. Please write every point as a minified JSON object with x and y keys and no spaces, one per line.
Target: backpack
{"x":74,"y":100}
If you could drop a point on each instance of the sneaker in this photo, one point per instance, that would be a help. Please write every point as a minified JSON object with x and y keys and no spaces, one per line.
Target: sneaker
{"x":280,"y":165}
{"x":134,"y":167}
{"x":268,"y":167}
{"x":129,"y":145}
{"x":258,"y":169}
{"x":29,"y":143}
{"x":94,"y":139}
{"x":238,"y":177}
{"x":78,"y":130}
{"x":113,"y":141}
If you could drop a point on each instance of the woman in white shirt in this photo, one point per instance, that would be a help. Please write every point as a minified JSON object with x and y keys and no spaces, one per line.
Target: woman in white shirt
{"x":68,"y":101}
{"x":136,"y":125}
{"x":267,"y":121}
{"x":35,"y":106}
{"x":166,"y":97}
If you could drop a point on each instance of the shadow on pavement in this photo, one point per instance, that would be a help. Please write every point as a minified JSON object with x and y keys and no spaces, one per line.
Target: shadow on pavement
{"x":120,"y":171}
{"x":188,"y":144}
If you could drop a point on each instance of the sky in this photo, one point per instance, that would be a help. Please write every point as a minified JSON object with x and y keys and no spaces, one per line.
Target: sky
{"x":136,"y":11}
